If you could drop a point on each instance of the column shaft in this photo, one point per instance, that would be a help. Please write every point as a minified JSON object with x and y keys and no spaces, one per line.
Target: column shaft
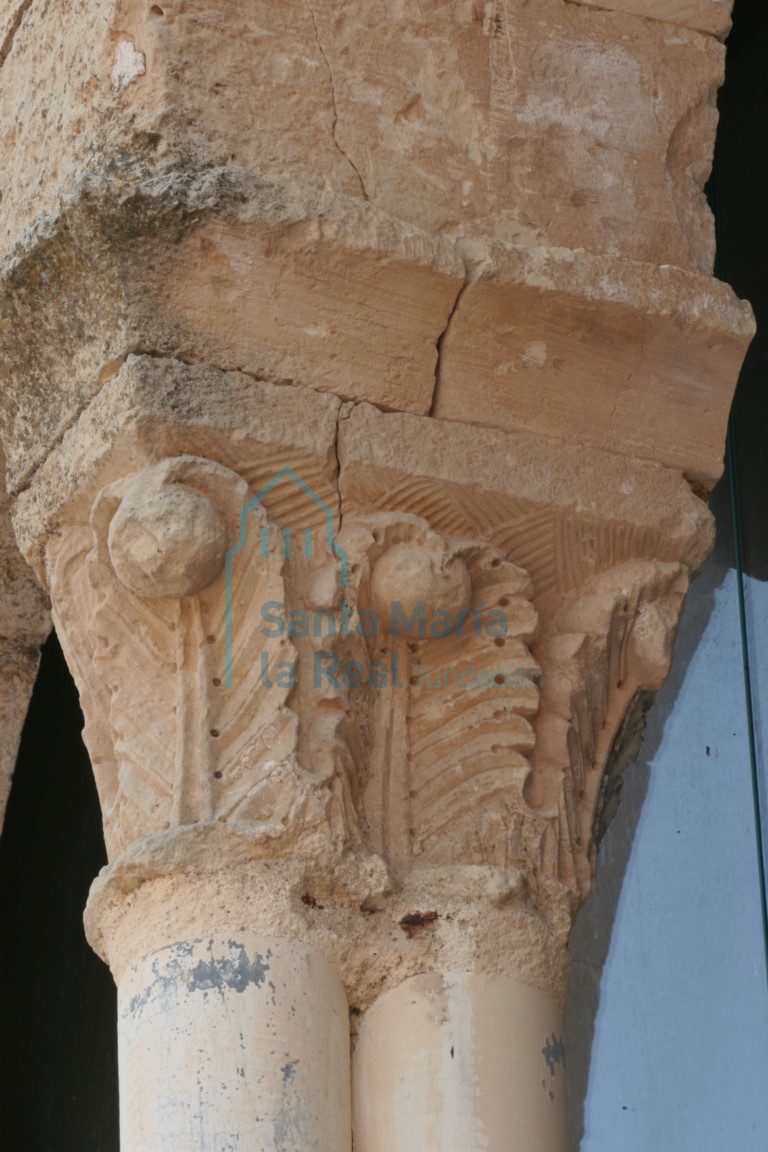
{"x":460,"y":1063}
{"x":234,"y":1043}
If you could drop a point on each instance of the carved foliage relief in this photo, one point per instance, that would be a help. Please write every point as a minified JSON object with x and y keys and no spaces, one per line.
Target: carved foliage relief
{"x":143,"y":619}
{"x":389,"y":688}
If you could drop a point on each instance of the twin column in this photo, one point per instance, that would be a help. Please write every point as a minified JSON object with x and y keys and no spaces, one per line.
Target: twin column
{"x":239,"y":1041}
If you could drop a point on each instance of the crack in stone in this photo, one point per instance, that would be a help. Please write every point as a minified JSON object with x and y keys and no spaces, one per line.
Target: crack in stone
{"x":469,"y":279}
{"x":609,"y":9}
{"x":474,"y":264}
{"x":112,"y":368}
{"x":344,"y":413}
{"x":108,"y":372}
{"x":346,"y":156}
{"x":27,"y":477}
{"x":10,"y":35}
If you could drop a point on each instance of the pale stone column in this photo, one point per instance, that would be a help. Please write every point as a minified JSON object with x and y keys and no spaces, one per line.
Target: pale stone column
{"x":456,"y":1062}
{"x":228,"y":1038}
{"x":231,"y":1042}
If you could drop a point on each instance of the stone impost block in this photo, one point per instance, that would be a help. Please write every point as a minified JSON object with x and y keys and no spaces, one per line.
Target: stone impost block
{"x":313,"y":289}
{"x":608,"y":353}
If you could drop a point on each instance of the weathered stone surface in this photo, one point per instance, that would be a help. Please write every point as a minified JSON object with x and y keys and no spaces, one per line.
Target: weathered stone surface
{"x":544,"y":123}
{"x":23,"y":605}
{"x":562,"y":512}
{"x":84,"y":510}
{"x":187,"y":718}
{"x":264,"y":276}
{"x":155,"y":408}
{"x":11,"y":14}
{"x":241,"y":992}
{"x":24,"y":624}
{"x":166,"y":540}
{"x":608,"y":549}
{"x":358,"y":363}
{"x":599,"y":352}
{"x":312,"y":289}
{"x":171,"y":229}
{"x":179,"y":883}
{"x":706,"y":15}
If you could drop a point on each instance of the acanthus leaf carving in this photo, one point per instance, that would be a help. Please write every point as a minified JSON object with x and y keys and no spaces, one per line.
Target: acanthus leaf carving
{"x":610,"y":641}
{"x":491,"y":750}
{"x":451,"y":724}
{"x":147,"y":638}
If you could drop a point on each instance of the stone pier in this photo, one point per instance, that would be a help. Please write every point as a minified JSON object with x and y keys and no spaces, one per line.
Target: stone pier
{"x":364,"y":380}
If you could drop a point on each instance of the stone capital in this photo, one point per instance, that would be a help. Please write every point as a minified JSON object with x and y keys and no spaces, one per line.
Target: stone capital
{"x":389,"y":655}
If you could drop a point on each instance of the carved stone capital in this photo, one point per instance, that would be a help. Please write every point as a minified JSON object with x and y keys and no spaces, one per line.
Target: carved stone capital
{"x":329,"y":634}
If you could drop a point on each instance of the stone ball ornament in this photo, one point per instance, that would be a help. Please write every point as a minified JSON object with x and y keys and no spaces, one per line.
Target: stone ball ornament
{"x":167,"y":541}
{"x":412,"y":575}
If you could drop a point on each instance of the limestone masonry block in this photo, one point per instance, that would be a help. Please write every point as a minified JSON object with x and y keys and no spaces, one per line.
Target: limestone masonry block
{"x":314,"y":289}
{"x":264,"y":276}
{"x":154,"y":408}
{"x":533,"y":345}
{"x":546,"y":502}
{"x":543,"y":124}
{"x":586,"y":555}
